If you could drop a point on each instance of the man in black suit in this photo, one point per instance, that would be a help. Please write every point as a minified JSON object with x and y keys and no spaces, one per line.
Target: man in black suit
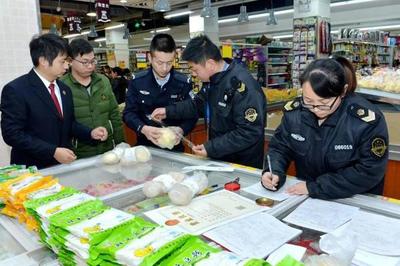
{"x":37,"y":117}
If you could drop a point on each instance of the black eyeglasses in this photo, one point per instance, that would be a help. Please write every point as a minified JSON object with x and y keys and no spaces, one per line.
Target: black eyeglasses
{"x":87,"y":63}
{"x":321,"y":107}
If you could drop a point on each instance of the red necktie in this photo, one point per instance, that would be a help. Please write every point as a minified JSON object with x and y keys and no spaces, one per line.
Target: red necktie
{"x":55,"y":100}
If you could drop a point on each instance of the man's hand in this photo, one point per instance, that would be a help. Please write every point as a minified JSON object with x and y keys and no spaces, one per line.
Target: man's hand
{"x":64,"y":155}
{"x":200,"y":150}
{"x":298,"y":189}
{"x":159,"y":114}
{"x":178,"y":134}
{"x":99,"y":133}
{"x":269,"y":180}
{"x":151,"y":133}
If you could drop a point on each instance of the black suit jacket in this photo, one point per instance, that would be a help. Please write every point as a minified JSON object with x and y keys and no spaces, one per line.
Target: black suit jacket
{"x":30,"y":122}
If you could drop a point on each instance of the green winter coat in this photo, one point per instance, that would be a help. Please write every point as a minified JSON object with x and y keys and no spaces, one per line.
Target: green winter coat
{"x":99,"y":108}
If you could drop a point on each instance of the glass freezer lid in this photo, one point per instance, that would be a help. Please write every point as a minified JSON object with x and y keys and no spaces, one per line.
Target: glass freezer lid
{"x":9,"y":246}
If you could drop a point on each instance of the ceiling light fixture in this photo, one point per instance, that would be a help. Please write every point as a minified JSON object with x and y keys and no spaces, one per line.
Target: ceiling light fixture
{"x":91,"y":13}
{"x":100,"y":39}
{"x":114,"y":27}
{"x":162,"y":6}
{"x":92,"y":32}
{"x":207,"y":11}
{"x":178,"y":14}
{"x":127,"y":35}
{"x":271,"y":18}
{"x":160,"y":30}
{"x":58,"y":8}
{"x":243,"y":16}
{"x":123,"y":1}
{"x":53,"y":29}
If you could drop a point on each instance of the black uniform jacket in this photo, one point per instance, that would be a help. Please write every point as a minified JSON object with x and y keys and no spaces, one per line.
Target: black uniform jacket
{"x":236,"y":116}
{"x":144,"y":95}
{"x":344,"y":156}
{"x":30,"y":122}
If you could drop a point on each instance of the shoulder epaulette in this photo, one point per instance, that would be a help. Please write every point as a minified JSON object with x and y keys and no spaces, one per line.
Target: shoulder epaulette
{"x":291,"y":105}
{"x":181,"y":77}
{"x":362,"y":113}
{"x":140,"y":74}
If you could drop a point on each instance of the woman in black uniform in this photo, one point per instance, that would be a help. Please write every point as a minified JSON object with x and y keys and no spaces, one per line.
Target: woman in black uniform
{"x":337,"y":139}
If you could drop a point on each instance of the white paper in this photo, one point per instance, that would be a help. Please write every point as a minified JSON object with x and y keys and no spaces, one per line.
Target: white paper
{"x":320,"y":215}
{"x":375,"y":233}
{"x":279,"y":195}
{"x":364,"y":258}
{"x":254,"y":236}
{"x":296,"y":252}
{"x":205,"y":212}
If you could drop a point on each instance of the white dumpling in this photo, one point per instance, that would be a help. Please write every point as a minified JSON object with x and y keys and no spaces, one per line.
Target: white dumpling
{"x":142,"y":154}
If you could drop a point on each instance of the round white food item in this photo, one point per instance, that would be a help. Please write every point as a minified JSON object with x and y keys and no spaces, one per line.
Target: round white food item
{"x":109,"y":158}
{"x":137,"y":171}
{"x":167,"y":138}
{"x":153,"y":189}
{"x":142,"y":154}
{"x":180,"y":194}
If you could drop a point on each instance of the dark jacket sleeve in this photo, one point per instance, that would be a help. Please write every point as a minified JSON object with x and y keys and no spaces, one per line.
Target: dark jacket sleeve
{"x":131,"y":113}
{"x":279,"y":151}
{"x":114,"y":115}
{"x":188,"y":124}
{"x":187,"y":109}
{"x":14,"y":120}
{"x":81,"y":132}
{"x":359,"y":177}
{"x":246,"y":133}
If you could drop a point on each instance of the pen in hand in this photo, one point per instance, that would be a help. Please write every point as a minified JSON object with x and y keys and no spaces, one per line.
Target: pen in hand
{"x":270,"y":170}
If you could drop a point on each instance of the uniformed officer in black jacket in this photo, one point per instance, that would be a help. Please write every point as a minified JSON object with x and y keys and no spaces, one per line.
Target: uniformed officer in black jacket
{"x":158,"y":86}
{"x":232,"y":102}
{"x":338,"y":140}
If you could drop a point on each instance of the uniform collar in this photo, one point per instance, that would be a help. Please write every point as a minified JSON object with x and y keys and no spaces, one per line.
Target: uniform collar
{"x":169,"y":76}
{"x":217,"y":77}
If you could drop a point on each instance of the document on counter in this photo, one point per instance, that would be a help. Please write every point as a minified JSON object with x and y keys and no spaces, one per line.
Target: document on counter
{"x":279,"y":195}
{"x":321,"y":215}
{"x":205,"y":212}
{"x":253,"y":236}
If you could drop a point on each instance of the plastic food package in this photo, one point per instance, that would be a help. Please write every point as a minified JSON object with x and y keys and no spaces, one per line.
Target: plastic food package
{"x":135,"y":154}
{"x":162,"y":184}
{"x":183,"y":193}
{"x":167,"y":138}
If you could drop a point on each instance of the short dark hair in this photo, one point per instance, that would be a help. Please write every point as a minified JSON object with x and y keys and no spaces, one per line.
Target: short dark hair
{"x":48,"y":46}
{"x":350,"y":73}
{"x":117,"y":70}
{"x":200,"y":49}
{"x":162,"y":42}
{"x":326,"y":76}
{"x":79,"y":47}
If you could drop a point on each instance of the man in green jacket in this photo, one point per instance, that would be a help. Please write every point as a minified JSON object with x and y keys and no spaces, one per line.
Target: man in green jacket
{"x":94,"y":101}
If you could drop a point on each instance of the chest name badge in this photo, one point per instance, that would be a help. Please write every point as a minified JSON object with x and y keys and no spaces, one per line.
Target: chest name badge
{"x":174,"y":96}
{"x":250,"y":114}
{"x":144,"y":92}
{"x":297,"y":137}
{"x":222,"y":104}
{"x":343,"y":147}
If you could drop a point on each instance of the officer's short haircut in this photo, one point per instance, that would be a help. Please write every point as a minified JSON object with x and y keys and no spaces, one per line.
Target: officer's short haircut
{"x":326,"y":76}
{"x":200,"y":49}
{"x":162,"y":42}
{"x":79,"y":47}
{"x":48,"y":46}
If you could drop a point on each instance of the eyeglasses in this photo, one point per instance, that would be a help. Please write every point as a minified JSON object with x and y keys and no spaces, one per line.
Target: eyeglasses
{"x":321,"y":107}
{"x":87,"y":63}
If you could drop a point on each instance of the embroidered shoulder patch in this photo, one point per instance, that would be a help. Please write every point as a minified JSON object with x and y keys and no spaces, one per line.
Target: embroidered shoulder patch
{"x":250,"y":114}
{"x":378,"y":147}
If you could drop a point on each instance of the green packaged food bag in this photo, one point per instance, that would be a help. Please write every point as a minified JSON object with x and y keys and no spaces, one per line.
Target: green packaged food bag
{"x":193,"y":251}
{"x":256,"y":262}
{"x":152,"y":247}
{"x":289,"y":261}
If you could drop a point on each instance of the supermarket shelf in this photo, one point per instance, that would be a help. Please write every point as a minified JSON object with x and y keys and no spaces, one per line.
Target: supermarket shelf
{"x":275,"y":84}
{"x":380,"y":96}
{"x":360,"y":42}
{"x":277,"y":63}
{"x":278,"y":54}
{"x":277,"y":74}
{"x":279,"y":47}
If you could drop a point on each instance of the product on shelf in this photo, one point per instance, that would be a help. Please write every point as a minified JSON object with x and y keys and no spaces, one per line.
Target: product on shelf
{"x":384,"y":79}
{"x":280,"y":95}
